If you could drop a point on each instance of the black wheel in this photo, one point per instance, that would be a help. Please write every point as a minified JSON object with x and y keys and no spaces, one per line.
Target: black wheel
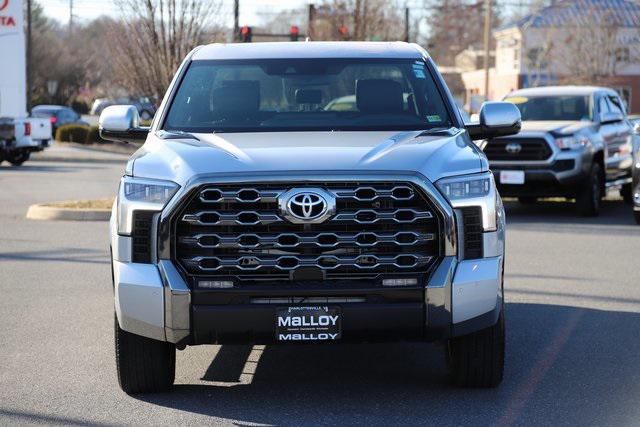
{"x":144,"y":365}
{"x":636,"y":216}
{"x":16,"y":159}
{"x":590,"y":194}
{"x":527,"y":200}
{"x":627,"y":193}
{"x":477,"y":360}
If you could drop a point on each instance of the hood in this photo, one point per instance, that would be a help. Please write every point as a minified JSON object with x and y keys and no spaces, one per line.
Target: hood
{"x":269,"y":152}
{"x":560,"y":127}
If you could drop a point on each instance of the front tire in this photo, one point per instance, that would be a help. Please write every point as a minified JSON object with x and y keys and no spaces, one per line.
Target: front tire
{"x":477,"y":360}
{"x":590,"y":194}
{"x":17,"y":159}
{"x":144,"y":365}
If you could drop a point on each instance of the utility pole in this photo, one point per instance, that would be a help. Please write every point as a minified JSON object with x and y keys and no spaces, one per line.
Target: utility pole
{"x":310,"y":19}
{"x":236,"y":20}
{"x":357,"y":20}
{"x":29,"y":57}
{"x":363,"y":17}
{"x":70,"y":16}
{"x":406,"y":24}
{"x":487,"y":46}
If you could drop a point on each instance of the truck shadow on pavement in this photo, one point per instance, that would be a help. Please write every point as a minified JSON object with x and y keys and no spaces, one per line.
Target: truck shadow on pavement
{"x":573,"y":365}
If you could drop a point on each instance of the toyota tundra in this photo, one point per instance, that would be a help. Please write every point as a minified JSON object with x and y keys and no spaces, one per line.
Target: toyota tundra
{"x":263,"y":210}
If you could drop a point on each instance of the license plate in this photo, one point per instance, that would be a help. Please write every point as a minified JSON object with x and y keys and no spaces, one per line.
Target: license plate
{"x":309,"y":323}
{"x":511,"y":177}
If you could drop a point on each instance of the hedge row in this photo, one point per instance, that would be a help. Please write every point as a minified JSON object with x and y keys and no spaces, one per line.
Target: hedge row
{"x":78,"y":133}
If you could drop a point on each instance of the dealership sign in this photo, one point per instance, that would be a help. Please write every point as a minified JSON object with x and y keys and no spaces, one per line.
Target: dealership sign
{"x":13,"y":73}
{"x":9,"y":22}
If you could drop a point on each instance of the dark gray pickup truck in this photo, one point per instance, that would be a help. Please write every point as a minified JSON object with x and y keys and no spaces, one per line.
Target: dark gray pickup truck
{"x":575,"y":142}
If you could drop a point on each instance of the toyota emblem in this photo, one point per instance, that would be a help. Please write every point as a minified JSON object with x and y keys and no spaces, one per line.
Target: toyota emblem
{"x":513,"y":148}
{"x":307,"y":205}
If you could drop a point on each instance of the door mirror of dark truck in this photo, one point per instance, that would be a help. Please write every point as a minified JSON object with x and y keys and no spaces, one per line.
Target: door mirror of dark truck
{"x":496,"y":119}
{"x":121,"y":123}
{"x":611,"y":117}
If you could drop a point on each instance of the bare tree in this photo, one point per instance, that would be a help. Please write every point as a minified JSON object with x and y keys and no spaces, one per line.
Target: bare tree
{"x":590,"y":48}
{"x":358,"y":20}
{"x":154,"y":36}
{"x":455,"y":25}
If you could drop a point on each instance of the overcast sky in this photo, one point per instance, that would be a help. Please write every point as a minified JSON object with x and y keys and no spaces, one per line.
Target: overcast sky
{"x":252,"y":12}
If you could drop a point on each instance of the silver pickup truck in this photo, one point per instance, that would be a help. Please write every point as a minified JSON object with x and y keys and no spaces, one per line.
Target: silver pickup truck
{"x":312,"y":193}
{"x":576,"y":142}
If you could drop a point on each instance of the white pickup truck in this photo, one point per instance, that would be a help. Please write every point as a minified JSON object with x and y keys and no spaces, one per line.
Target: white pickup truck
{"x":20,"y":135}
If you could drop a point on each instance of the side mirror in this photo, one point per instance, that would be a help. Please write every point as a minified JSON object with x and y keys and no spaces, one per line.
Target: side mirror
{"x":121,"y":123}
{"x":611,"y":117}
{"x":496,"y":119}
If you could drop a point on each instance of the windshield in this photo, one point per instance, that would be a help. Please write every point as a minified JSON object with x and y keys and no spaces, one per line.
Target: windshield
{"x":309,"y":94}
{"x":559,"y":108}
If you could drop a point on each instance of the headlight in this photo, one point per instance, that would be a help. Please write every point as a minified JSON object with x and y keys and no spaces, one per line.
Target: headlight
{"x":570,"y":142}
{"x":141,"y":194}
{"x":473,"y":190}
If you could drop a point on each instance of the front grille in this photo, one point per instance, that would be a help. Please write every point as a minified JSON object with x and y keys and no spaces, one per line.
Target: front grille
{"x":531,"y":149}
{"x":238,"y":231}
{"x":557,"y":166}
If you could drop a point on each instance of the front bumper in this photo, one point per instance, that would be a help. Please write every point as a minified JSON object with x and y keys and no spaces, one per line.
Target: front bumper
{"x":459,"y":298}
{"x":561,"y":177}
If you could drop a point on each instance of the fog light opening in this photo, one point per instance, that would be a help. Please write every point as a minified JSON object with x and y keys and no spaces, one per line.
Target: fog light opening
{"x":411,"y":281}
{"x":215,"y":284}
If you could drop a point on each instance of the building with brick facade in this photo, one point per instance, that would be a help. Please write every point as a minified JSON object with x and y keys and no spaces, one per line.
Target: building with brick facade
{"x":570,"y":42}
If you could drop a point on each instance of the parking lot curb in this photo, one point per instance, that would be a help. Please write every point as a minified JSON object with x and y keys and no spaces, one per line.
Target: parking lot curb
{"x":53,"y":213}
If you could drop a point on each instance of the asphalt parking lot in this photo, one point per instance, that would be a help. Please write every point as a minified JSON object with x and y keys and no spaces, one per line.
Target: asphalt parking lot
{"x":573,"y":321}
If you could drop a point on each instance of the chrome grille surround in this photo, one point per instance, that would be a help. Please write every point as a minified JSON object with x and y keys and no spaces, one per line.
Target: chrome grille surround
{"x":346,"y":253}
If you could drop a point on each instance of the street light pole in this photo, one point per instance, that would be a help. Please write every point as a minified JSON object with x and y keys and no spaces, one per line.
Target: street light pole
{"x":487,"y":46}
